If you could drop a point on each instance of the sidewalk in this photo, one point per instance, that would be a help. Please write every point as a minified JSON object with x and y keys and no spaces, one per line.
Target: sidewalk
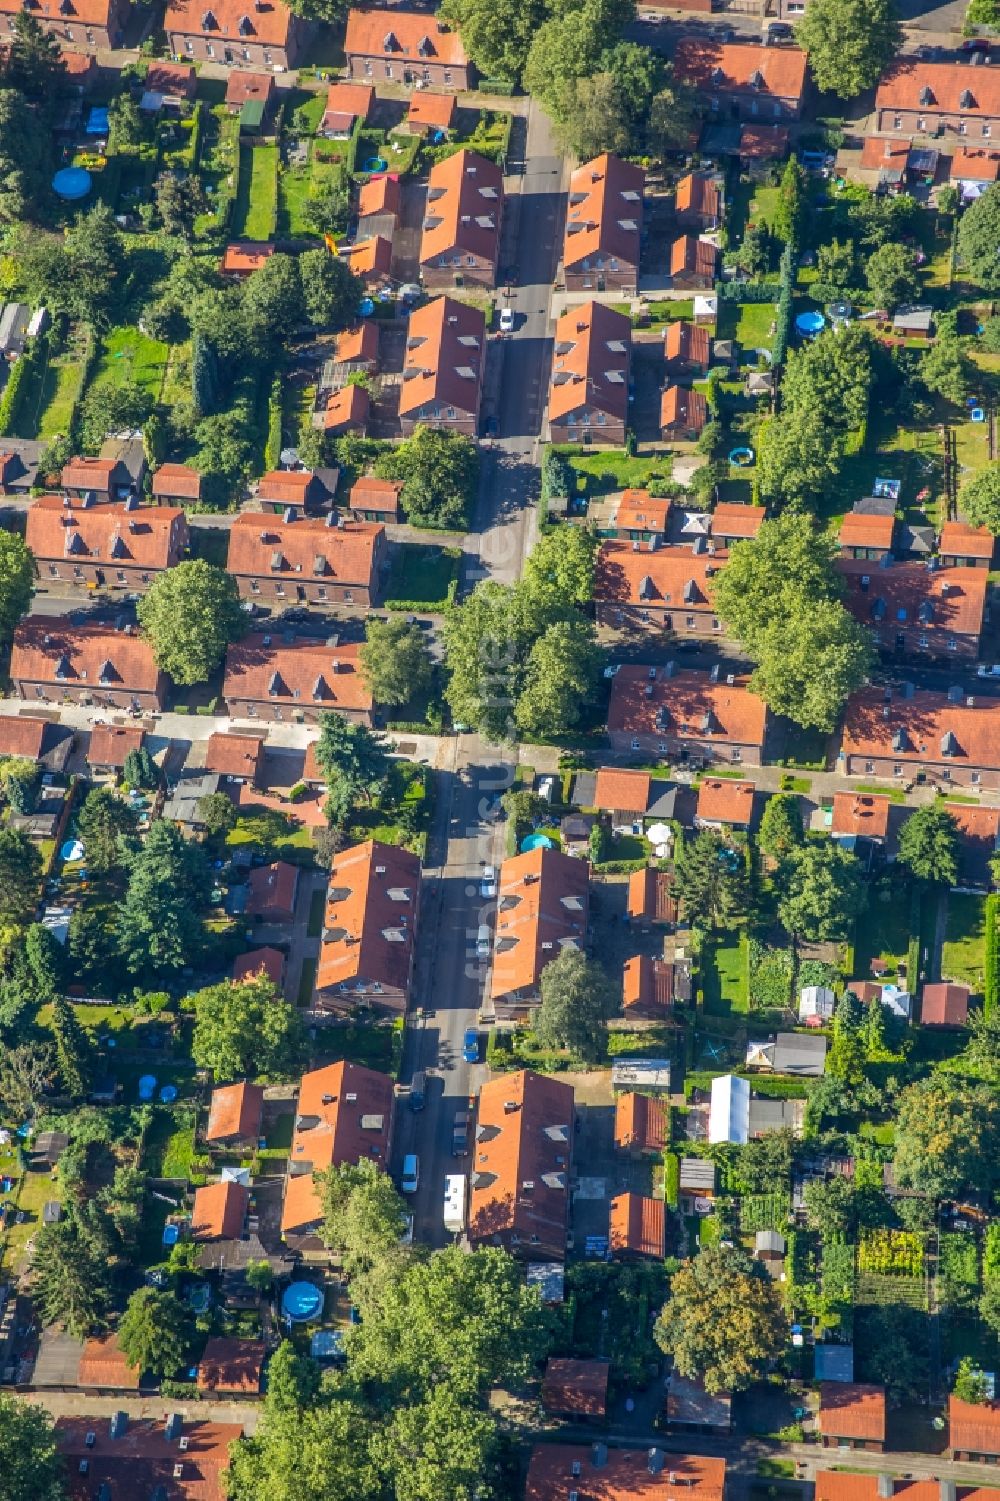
{"x":80,"y":1405}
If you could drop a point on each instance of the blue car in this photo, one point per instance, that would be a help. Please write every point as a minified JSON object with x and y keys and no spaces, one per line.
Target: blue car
{"x":470,"y":1045}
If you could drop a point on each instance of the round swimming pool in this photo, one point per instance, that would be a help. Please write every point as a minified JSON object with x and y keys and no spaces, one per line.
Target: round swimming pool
{"x":71,"y":183}
{"x":375,"y":164}
{"x":535,"y":842}
{"x":301,"y":1301}
{"x":741,"y":457}
{"x":810,"y":324}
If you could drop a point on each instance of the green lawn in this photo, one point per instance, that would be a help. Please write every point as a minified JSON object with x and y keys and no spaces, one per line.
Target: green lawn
{"x":317,"y":906}
{"x":964,"y":941}
{"x":724,"y":978}
{"x":421,"y":576}
{"x":48,"y":409}
{"x":606,"y":470}
{"x":128,"y":355}
{"x":169,"y":1145}
{"x":297,"y":185}
{"x":256,"y":206}
{"x":754,"y":324}
{"x":274,"y":831}
{"x":307,"y":980}
{"x":882,"y":930}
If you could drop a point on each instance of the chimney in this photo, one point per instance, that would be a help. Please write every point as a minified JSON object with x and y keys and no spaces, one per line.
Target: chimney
{"x":886,"y":1486}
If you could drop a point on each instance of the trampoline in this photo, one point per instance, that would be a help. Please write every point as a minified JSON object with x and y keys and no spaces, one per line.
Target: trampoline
{"x":200,"y":1297}
{"x":301,"y":1301}
{"x":810,"y":324}
{"x":741,"y":457}
{"x":147,"y":1086}
{"x":71,"y":183}
{"x":375,"y":164}
{"x":71,"y":850}
{"x":535,"y":842}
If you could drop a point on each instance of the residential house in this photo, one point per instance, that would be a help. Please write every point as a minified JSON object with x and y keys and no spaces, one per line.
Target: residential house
{"x":519,"y":1192}
{"x":922,"y":735}
{"x":978,"y":841}
{"x":576,"y":1388}
{"x":185,"y":802}
{"x":220,"y":1211}
{"x":650,"y":986}
{"x":557,"y":1472}
{"x":243,"y":88}
{"x":964,"y":546}
{"x":642,"y":517}
{"x":543,"y":907}
{"x":54,"y":661}
{"x":167,"y":84}
{"x":742,"y":80}
{"x":652,"y":898}
{"x":802,"y":1054}
{"x":380,"y":203}
{"x":111,"y":745}
{"x":176,"y":482}
{"x":637,"y":1227}
{"x":405,"y":46}
{"x":941,"y":99}
{"x":77,"y":25}
{"x":260,"y":963}
{"x":117,"y":545}
{"x":866,"y":538}
{"x":235,"y":1112}
{"x":369,"y":927}
{"x":837,"y":1485}
{"x":296,"y":678}
{"x":319,"y":563}
{"x":344,"y":1116}
{"x":238,"y":759}
{"x":698,"y":201}
{"x":860,"y":815}
{"x":274,"y":890}
{"x":132,"y":1457}
{"x":347,"y":104}
{"x":80,"y":69}
{"x":443,"y":367}
{"x":460,"y":242}
{"x":370,"y":260}
{"x":603,"y":239}
{"x":912,"y":610}
{"x":97,"y":479}
{"x":266,"y":34}
{"x":233,"y":1367}
{"x":723,"y":804}
{"x":687,"y":715}
{"x":693,"y":262}
{"x":738,"y":1116}
{"x":944,"y":1004}
{"x":345,"y":410}
{"x":686,"y":348}
{"x":588,"y":396}
{"x":668,"y":589}
{"x":974,"y":1431}
{"x":104,"y":1368}
{"x":19,"y":465}
{"x":374,"y":499}
{"x":731,"y":522}
{"x":39,"y":740}
{"x":356,"y":349}
{"x":630,"y":797}
{"x":281,"y":490}
{"x":683,"y":414}
{"x":973,"y":169}
{"x":431,"y":112}
{"x":642,"y":1125}
{"x":852,"y":1415}
{"x":243,"y":257}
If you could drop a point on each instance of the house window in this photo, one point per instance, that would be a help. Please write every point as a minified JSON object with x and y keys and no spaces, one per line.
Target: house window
{"x":78,"y":573}
{"x":53,"y":571}
{"x":952,"y":644}
{"x":251,"y":711}
{"x":368,"y":68}
{"x":254,"y":587}
{"x":279,"y":590}
{"x":321,"y":593}
{"x":635,"y":742}
{"x":662,"y":748}
{"x":921,"y":123}
{"x":869,"y":766}
{"x":945,"y":774}
{"x":447,"y":75}
{"x":209,"y":49}
{"x":923,"y":642}
{"x":976,"y":778}
{"x":388,"y":70}
{"x":715,"y":624}
{"x":897,"y":769}
{"x":267,"y":58}
{"x":278,"y":712}
{"x":776,"y":110}
{"x":897,"y":122}
{"x":689,"y":622}
{"x":121,"y":576}
{"x":188,"y":45}
{"x":144,"y":577}
{"x":736,"y":753}
{"x":348,"y":597}
{"x":90,"y":36}
{"x":754,"y":107}
{"x":963,"y":129}
{"x":987,"y":131}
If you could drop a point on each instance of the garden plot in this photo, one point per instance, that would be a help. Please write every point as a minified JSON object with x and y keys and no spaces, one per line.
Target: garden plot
{"x":256,"y":207}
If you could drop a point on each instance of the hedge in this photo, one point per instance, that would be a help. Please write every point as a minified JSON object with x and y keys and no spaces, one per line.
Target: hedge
{"x":32,"y":359}
{"x":272,"y":451}
{"x":671,"y":1178}
{"x":746,"y":291}
{"x":991,"y":961}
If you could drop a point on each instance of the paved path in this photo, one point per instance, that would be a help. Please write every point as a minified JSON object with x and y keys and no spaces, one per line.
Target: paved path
{"x":80,"y":1404}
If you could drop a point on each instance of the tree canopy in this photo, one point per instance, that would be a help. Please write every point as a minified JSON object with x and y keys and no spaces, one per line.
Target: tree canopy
{"x":821,"y":891}
{"x":395,"y":663}
{"x":363,"y":1215}
{"x":155,"y":1331}
{"x":979,"y":236}
{"x":850,"y":43}
{"x":191,"y":613}
{"x":780,"y":825}
{"x":576,"y":1001}
{"x":724,"y":1323}
{"x":947,"y":1136}
{"x":929,"y":845}
{"x":17,"y":579}
{"x":710,"y":879}
{"x":245,"y":1028}
{"x":159,"y":926}
{"x":979,"y":499}
{"x":30,"y":1462}
{"x":355,"y":761}
{"x":439,"y":471}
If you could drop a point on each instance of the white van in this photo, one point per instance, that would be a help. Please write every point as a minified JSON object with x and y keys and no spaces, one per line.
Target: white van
{"x":411,"y":1173}
{"x":484,"y":941}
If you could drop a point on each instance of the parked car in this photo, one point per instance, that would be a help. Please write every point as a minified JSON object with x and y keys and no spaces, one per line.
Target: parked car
{"x":460,"y":1134}
{"x":488,"y":883}
{"x":411,"y":1173}
{"x":986,"y":671}
{"x":418,"y":1090}
{"x":470,"y":1045}
{"x":507,"y":320}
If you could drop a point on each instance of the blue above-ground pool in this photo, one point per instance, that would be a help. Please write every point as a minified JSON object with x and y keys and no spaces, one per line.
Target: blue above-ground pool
{"x":810,"y":324}
{"x":366,"y":307}
{"x":977,"y":414}
{"x":97,"y":120}
{"x":741,"y":457}
{"x":301,"y":1301}
{"x":168,"y":1094}
{"x":147,"y":1086}
{"x":71,"y":183}
{"x":535,"y":842}
{"x":171,"y":1235}
{"x":375,"y":164}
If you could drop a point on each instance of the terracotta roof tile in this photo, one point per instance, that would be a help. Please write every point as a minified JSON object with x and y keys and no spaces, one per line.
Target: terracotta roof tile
{"x":543,"y":904}
{"x":220,"y":1211}
{"x":904,"y":82}
{"x":834,"y":1485}
{"x":266,"y":23}
{"x":850,"y":1409}
{"x":288,"y":487}
{"x":325,"y":677}
{"x":686,"y":341}
{"x":370,"y":917}
{"x":464,"y":209}
{"x":691,"y":256}
{"x":149,"y":537}
{"x":343,"y":98}
{"x":243,"y":256}
{"x":445,"y":344}
{"x":958,"y":539}
{"x":178,"y":481}
{"x":346,"y":409}
{"x":89,"y":474}
{"x":524,"y":1135}
{"x":674,"y":577}
{"x":648,"y":983}
{"x":642,"y":512}
{"x":974,"y":1427}
{"x":680,"y":405}
{"x":359,"y":343}
{"x":370,"y":258}
{"x":860,"y":530}
{"x":913,"y":729}
{"x":415,"y":35}
{"x":433,"y":111}
{"x":977,"y":824}
{"x":46,"y":646}
{"x":884,"y":151}
{"x":728,"y":67}
{"x":763,"y":143}
{"x":232,"y":755}
{"x":243,"y":85}
{"x":576,"y":1388}
{"x":624,"y":1475}
{"x":593,"y":347}
{"x":651,"y":894}
{"x":344,"y":1114}
{"x":971,"y":164}
{"x":721,"y":800}
{"x":142,"y":1461}
{"x":733,"y":522}
{"x":604,"y":216}
{"x":641,"y":1122}
{"x":171,"y":79}
{"x":231,"y":1365}
{"x":235,"y":1110}
{"x":697,"y":194}
{"x":622,"y":791}
{"x":693,"y":707}
{"x":381,"y":194}
{"x":103,"y":1364}
{"x":264,"y":961}
{"x":22,"y":736}
{"x":953,"y":599}
{"x":860,"y":813}
{"x":638,"y":1226}
{"x":273,"y":890}
{"x":944,"y":1005}
{"x":110,"y":744}
{"x":371,"y":494}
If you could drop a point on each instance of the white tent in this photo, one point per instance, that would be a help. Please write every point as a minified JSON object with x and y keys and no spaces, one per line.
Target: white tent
{"x":729,"y":1114}
{"x":816,"y":1002}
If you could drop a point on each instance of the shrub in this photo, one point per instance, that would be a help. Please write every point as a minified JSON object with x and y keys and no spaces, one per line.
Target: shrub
{"x":671,"y":1178}
{"x":991,"y":960}
{"x":771,"y":973}
{"x":991,"y":1253}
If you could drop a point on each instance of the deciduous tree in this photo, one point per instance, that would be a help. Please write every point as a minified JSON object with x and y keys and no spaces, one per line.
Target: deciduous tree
{"x":850,"y":43}
{"x":245,"y":1029}
{"x":979,"y":500}
{"x":780,"y":825}
{"x":929,"y":845}
{"x":330,"y":290}
{"x":891,"y":274}
{"x":69,"y":1282}
{"x":30,"y":1462}
{"x":395,"y":663}
{"x":190,"y":614}
{"x":355,"y":762}
{"x":363,"y":1215}
{"x":979,"y":236}
{"x":577,"y":999}
{"x":439,"y":471}
{"x":710,"y":879}
{"x":947,"y":1137}
{"x":20,"y":876}
{"x":560,"y":678}
{"x":822,"y":892}
{"x":159,"y":924}
{"x":724,"y":1323}
{"x":17,"y":579}
{"x":496,"y":34}
{"x":107,"y":826}
{"x":155,"y":1331}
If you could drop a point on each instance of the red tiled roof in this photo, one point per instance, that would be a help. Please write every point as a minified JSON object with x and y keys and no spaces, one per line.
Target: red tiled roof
{"x":445,"y":344}
{"x":415,"y":35}
{"x":958,"y":539}
{"x":370,"y":917}
{"x":170,"y":79}
{"x":231,"y":1365}
{"x":851,"y":1409}
{"x":265,"y":961}
{"x":734,"y":522}
{"x":763,"y":143}
{"x":243,"y":86}
{"x":435,"y":111}
{"x":267,"y":546}
{"x":679,"y":405}
{"x":179,"y":481}
{"x":232,"y":755}
{"x":543,"y":904}
{"x":647,"y":983}
{"x":860,"y":813}
{"x":359,"y":343}
{"x":919,"y":724}
{"x":604,"y":216}
{"x":151,"y":537}
{"x":242,"y":257}
{"x":288,"y":487}
{"x":464,"y":206}
{"x":693,"y":707}
{"x":235,"y":1110}
{"x":353,"y":99}
{"x":693,"y":256}
{"x":220,"y":1211}
{"x":979,"y":824}
{"x":727,"y":67}
{"x":344,"y":1114}
{"x":642,"y":512}
{"x":686,"y":341}
{"x":346,"y":409}
{"x":381,"y":194}
{"x":675,"y":577}
{"x":944,"y":1005}
{"x":638,"y":1226}
{"x":524,"y":1135}
{"x":651,"y":894}
{"x":974,"y":1427}
{"x":266,"y":23}
{"x":371,"y":257}
{"x":305,"y":673}
{"x":110,"y":744}
{"x":721,"y":800}
{"x":641,"y":1121}
{"x":590,"y":365}
{"x":88,"y":474}
{"x":22,"y":736}
{"x":697,"y":194}
{"x":622,"y":791}
{"x":77,"y":64}
{"x":371,"y":494}
{"x":974,"y":164}
{"x":903,"y":84}
{"x":884,"y":151}
{"x":836,"y":1485}
{"x":858,"y":530}
{"x":273,"y":890}
{"x":44,"y":645}
{"x":624,"y":1475}
{"x":142,"y":1460}
{"x":576,"y":1388}
{"x":103,"y":1364}
{"x":954,"y":599}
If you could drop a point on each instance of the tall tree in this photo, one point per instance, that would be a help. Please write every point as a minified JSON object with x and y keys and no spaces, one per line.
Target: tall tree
{"x":75,"y":1053}
{"x":560,"y":678}
{"x":496,"y":34}
{"x":191,"y":613}
{"x":155,"y":1331}
{"x":441,"y":1447}
{"x":140,"y":769}
{"x":978,"y":237}
{"x":69,"y":1283}
{"x":850,"y":43}
{"x":24,"y":159}
{"x":35,"y":62}
{"x":791,"y":202}
{"x":979,"y":499}
{"x":577,"y":999}
{"x":97,"y":264}
{"x":26,"y":1074}
{"x":395,"y":663}
{"x":107,"y":826}
{"x":559,"y":570}
{"x":822,"y":892}
{"x":929,"y":845}
{"x":331,"y":292}
{"x":20,"y":876}
{"x":17,"y":579}
{"x":272,"y":300}
{"x":891,"y":274}
{"x":355,"y":762}
{"x":724,"y":1323}
{"x":710,"y":879}
{"x":439,"y":471}
{"x":780,"y":825}
{"x":245,"y":1029}
{"x":159,"y":926}
{"x":947,"y":1137}
{"x":30,"y":1462}
{"x":20,"y":779}
{"x":314,"y":1453}
{"x":363,"y":1215}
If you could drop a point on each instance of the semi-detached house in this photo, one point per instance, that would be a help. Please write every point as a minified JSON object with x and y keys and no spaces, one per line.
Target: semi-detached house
{"x":588,"y":396}
{"x":688,"y":716}
{"x":116,"y":545}
{"x":238,"y":33}
{"x":603,"y":238}
{"x":543,"y":906}
{"x":319,"y":563}
{"x":54,"y":661}
{"x":460,"y":244}
{"x":81,"y":25}
{"x":443,"y":367}
{"x":405,"y":46}
{"x":743,"y":80}
{"x":520,"y":1186}
{"x":917,"y":735}
{"x":657,"y":588}
{"x":369,"y":923}
{"x":295,"y":679}
{"x":960,"y":101}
